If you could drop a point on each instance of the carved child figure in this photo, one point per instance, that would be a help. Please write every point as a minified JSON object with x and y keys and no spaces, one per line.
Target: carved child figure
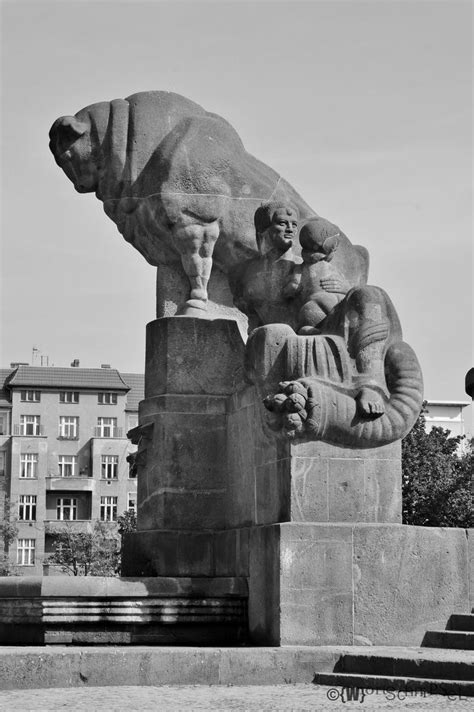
{"x":317,"y":283}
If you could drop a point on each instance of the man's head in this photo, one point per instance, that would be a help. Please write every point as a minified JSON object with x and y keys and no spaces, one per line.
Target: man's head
{"x":276,"y":225}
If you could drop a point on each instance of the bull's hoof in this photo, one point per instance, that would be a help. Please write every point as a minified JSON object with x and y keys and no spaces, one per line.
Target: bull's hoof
{"x":194,"y":308}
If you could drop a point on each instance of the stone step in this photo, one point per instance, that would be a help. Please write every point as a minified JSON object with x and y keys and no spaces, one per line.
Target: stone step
{"x":390,"y":685}
{"x":452,"y":639}
{"x":461,"y":621}
{"x":427,"y":663}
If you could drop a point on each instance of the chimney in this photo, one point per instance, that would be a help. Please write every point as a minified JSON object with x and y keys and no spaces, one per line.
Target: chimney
{"x":75,"y":363}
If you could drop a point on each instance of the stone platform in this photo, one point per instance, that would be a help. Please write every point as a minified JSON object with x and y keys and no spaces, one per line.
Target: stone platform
{"x":58,"y":666}
{"x":104,"y":611}
{"x":326,"y":583}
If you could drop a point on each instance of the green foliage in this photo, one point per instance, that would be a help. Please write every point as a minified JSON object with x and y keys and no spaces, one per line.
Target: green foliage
{"x":437,"y":473}
{"x":127,"y":522}
{"x":94,"y":552}
{"x":8,"y":532}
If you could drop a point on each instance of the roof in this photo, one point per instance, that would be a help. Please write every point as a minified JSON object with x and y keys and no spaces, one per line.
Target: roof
{"x":4,"y":395}
{"x":136,"y":381}
{"x":56,"y":377}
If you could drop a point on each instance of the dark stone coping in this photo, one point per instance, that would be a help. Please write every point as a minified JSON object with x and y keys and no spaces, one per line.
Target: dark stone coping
{"x":98,"y":586}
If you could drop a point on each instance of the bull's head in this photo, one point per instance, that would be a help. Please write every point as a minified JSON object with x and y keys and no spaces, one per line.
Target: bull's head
{"x":70,"y":143}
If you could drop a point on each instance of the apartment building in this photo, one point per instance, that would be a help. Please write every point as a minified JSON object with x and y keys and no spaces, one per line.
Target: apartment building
{"x":63,"y":451}
{"x":447,"y":414}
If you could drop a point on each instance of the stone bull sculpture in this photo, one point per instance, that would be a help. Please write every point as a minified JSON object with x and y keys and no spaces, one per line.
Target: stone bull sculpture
{"x":180,"y":186}
{"x":176,"y":180}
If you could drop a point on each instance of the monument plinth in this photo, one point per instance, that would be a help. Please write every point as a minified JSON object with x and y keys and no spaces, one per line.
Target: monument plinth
{"x":269,"y":475}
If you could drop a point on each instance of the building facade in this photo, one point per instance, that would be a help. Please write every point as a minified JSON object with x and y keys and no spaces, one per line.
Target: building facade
{"x":63,"y":452}
{"x":446,"y":414}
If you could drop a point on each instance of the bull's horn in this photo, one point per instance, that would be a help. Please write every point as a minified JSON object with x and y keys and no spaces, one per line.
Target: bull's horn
{"x":68,"y":127}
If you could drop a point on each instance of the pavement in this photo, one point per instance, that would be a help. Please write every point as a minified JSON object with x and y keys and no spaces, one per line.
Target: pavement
{"x":264,"y":698}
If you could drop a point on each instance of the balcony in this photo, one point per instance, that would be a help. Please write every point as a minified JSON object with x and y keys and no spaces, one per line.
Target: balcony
{"x":73,"y":525}
{"x":55,"y":483}
{"x":107,"y":432}
{"x":28,"y":432}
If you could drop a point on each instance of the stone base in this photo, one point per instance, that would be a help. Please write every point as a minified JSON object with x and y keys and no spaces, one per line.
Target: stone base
{"x":98,"y":611}
{"x":355,"y":584}
{"x":326,"y":584}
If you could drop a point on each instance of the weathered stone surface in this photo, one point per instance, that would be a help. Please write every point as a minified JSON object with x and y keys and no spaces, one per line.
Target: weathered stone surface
{"x":42,"y":667}
{"x":406,"y":580}
{"x":159,"y":610}
{"x":193,"y":356}
{"x":376,"y":584}
{"x":174,"y":178}
{"x":276,"y":481}
{"x":187,"y":553}
{"x":264,"y":586}
{"x":172,"y":287}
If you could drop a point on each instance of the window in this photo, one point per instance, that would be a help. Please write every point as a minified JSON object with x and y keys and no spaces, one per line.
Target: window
{"x":28,"y":465}
{"x":132,"y":421}
{"x":3,"y":424}
{"x":69,"y":397}
{"x":106,"y":427}
{"x":107,"y":399}
{"x":132,"y":502}
{"x":66,"y":509}
{"x":25,"y":552}
{"x":67,"y":465}
{"x":2,"y":463}
{"x":68,"y":426}
{"x":30,"y":396}
{"x":109,"y":467}
{"x":27,"y":508}
{"x":108,"y":509}
{"x":29,"y":425}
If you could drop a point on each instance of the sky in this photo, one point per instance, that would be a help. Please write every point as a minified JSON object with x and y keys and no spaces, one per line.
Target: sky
{"x":365,"y":107}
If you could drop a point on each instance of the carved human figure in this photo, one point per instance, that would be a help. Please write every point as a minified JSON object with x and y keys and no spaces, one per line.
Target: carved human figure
{"x":317,"y":283}
{"x":259,"y":285}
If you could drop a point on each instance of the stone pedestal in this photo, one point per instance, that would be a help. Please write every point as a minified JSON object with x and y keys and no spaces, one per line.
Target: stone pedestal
{"x":355,"y":584}
{"x":313,"y":529}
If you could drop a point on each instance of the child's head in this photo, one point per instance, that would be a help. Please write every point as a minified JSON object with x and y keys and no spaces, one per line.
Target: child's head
{"x":319,"y":236}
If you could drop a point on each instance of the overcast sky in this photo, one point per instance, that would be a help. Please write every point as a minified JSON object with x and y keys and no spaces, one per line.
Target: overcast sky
{"x":364,"y":107}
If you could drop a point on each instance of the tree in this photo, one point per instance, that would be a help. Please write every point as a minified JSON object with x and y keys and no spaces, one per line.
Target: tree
{"x":94,"y":552}
{"x":127,"y":523}
{"x":437,"y":478}
{"x":8,"y":532}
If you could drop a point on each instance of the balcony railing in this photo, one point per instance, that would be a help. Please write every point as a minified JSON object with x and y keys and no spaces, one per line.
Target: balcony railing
{"x":55,"y":483}
{"x":108,"y":432}
{"x":28,"y":432}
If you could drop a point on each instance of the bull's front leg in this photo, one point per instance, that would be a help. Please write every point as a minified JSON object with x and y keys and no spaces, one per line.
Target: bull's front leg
{"x":195,"y":243}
